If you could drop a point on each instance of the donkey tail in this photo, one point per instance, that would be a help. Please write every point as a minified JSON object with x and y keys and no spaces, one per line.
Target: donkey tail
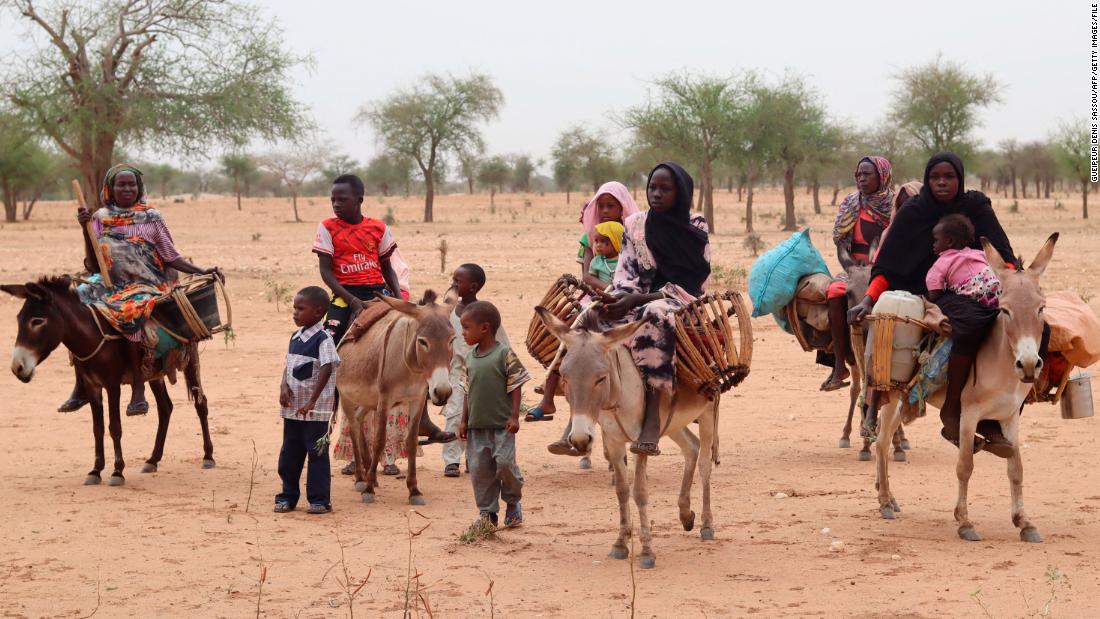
{"x":714,"y":442}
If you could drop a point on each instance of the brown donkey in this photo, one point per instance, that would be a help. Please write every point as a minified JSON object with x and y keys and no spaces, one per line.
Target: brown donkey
{"x":385,"y":370}
{"x":1006,"y":366}
{"x":52,"y":316}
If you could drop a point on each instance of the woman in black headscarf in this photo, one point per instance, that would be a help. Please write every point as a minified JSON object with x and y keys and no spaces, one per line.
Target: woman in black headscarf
{"x":663,"y":265}
{"x":903,"y":262}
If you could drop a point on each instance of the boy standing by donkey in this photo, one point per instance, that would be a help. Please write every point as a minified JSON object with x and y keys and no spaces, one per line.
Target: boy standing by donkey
{"x":307,"y":397}
{"x":493,"y":377}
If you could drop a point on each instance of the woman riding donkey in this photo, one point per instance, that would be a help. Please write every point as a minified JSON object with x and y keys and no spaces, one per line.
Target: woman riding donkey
{"x":663,"y":266}
{"x":138,"y":250}
{"x":903,"y":263}
{"x":863,"y":216}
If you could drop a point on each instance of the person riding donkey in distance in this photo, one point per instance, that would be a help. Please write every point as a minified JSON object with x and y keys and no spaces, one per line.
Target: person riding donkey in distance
{"x":139,"y":250}
{"x":663,"y":266}
{"x":354,"y":257}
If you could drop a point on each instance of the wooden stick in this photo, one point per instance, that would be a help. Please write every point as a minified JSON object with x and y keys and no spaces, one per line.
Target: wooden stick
{"x":89,"y":229}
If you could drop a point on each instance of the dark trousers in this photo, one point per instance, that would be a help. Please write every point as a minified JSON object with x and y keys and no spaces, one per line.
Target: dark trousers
{"x":338,"y":319}
{"x":299,"y":443}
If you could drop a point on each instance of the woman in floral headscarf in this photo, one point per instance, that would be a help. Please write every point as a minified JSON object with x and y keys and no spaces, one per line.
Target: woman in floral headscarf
{"x":137,"y":250}
{"x":863,"y":215}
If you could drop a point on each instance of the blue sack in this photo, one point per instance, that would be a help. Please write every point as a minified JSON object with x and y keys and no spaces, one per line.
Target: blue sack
{"x":774,"y":277}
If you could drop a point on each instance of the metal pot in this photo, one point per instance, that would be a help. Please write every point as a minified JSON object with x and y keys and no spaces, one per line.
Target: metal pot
{"x":1077,"y":397}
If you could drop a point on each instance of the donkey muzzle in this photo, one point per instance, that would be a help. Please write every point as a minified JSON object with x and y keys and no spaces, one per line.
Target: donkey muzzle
{"x":439,"y":386}
{"x":1027,"y":370}
{"x":23,"y":363}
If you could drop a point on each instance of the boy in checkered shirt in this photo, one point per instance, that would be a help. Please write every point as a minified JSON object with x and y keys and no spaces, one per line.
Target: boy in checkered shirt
{"x":307,"y":397}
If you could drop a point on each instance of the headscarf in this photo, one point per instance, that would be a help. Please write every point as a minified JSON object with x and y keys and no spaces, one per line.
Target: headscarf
{"x":108,"y":191}
{"x":880,"y":205}
{"x":906,"y":255}
{"x":114,"y":216}
{"x":613,"y":230}
{"x":590,"y":216}
{"x":912,"y":188}
{"x":676,"y":244}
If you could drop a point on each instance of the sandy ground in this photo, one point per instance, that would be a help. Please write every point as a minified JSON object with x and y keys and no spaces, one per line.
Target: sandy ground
{"x":187,"y":541}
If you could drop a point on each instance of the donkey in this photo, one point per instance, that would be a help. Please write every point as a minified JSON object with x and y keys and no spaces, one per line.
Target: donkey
{"x":385,"y":370}
{"x":859,"y":279}
{"x":1005,"y":367}
{"x":604,"y":387}
{"x":52,"y":315}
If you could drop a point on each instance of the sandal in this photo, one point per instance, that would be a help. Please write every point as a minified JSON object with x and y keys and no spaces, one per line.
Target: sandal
{"x":645,"y":448}
{"x":391,"y":469}
{"x":282,"y":507}
{"x":979,"y":442}
{"x":137,"y":408}
{"x":451,"y":470}
{"x":71,"y":405}
{"x":513,"y":517}
{"x":536,"y":414}
{"x":349,"y":468}
{"x":834,"y":385}
{"x":439,"y":436}
{"x":1000,"y":447}
{"x":540,"y":390}
{"x":563,"y":448}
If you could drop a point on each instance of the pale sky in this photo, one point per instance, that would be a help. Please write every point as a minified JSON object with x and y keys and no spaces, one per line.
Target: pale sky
{"x":564,"y":62}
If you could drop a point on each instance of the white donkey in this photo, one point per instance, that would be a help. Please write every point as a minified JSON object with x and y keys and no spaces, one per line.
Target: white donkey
{"x":604,"y":387}
{"x":1006,"y":366}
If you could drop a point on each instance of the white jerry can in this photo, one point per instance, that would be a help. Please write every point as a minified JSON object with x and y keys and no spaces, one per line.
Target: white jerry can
{"x":907,"y":336}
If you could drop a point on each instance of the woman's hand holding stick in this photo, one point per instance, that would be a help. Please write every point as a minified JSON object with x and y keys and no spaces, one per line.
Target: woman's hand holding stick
{"x":84,"y":216}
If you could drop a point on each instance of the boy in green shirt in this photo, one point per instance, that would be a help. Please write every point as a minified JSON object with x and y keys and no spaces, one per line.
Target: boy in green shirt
{"x":492,"y":377}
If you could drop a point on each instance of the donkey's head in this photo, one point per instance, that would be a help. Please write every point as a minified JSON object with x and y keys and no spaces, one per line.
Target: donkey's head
{"x":859,"y":273}
{"x":431,"y":351}
{"x":591,"y":378}
{"x":41,"y":323}
{"x":1022,"y":304}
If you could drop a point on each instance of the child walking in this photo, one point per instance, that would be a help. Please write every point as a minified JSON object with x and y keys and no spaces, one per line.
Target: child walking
{"x":960,"y":269}
{"x":493,"y":378}
{"x":466,"y":282}
{"x":307,"y":397}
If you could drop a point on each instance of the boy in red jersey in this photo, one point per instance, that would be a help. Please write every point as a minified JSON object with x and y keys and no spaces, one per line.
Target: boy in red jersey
{"x":353,"y":253}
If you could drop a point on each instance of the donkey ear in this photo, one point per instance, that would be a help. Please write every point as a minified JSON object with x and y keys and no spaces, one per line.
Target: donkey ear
{"x":993,"y":257}
{"x":400,"y":305}
{"x":1042,"y":259}
{"x":450,"y":297}
{"x":845,"y":258}
{"x":18,"y":291}
{"x":557,"y":328}
{"x":622,"y":334}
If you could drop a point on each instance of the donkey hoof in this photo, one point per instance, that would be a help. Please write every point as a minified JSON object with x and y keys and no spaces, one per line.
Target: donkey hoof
{"x":150,"y":467}
{"x":208,"y":463}
{"x":1030,"y":535}
{"x":93,"y":479}
{"x":894,"y":504}
{"x":585,"y":463}
{"x":368,"y":497}
{"x":887,"y":512}
{"x":904,"y":444}
{"x":116,"y":480}
{"x":844,"y":443}
{"x":899,"y":456}
{"x":417,"y":499}
{"x":360,"y":486}
{"x":864,"y":456}
{"x":647,"y":562}
{"x":707,"y":534}
{"x":969,"y":534}
{"x":688,"y":521}
{"x":618,"y":552}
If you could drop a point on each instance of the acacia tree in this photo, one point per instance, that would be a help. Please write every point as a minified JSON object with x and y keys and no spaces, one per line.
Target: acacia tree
{"x":387,"y":171}
{"x":493,"y":173}
{"x":797,"y":128}
{"x":468,"y":163}
{"x":938,"y":104}
{"x":1013,"y":157}
{"x":691,"y":115}
{"x":238,"y":166}
{"x":26,"y":169}
{"x":294,"y":168}
{"x":435,"y":117}
{"x":182,"y":75}
{"x":1071,"y":145}
{"x":523,"y":168}
{"x":565,"y":157}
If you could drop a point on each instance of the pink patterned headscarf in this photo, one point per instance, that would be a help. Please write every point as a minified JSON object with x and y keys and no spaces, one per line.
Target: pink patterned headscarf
{"x":590,"y":216}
